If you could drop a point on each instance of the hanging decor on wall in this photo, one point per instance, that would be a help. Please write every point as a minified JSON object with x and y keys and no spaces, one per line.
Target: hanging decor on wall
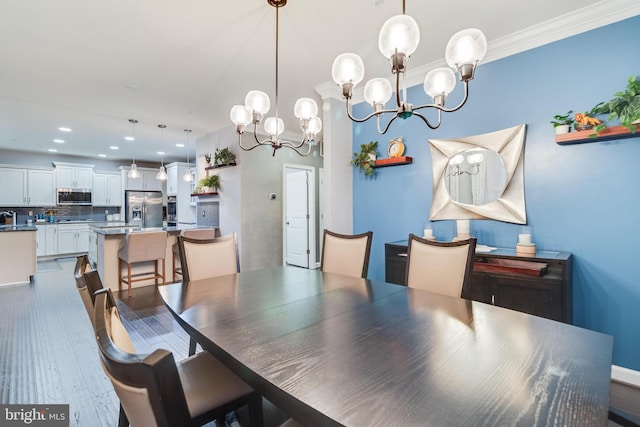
{"x":257,"y":103}
{"x":398,"y":39}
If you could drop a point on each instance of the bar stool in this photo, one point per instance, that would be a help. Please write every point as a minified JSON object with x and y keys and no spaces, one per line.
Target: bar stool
{"x":142,"y":247}
{"x":198,"y":234}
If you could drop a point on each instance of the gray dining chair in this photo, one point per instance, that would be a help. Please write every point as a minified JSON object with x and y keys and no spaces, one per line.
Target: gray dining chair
{"x":440,"y":267}
{"x":154,"y":389}
{"x":346,"y":254}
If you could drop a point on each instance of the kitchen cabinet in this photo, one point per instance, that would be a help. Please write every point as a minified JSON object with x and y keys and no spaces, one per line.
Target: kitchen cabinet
{"x":548,"y":295}
{"x":69,"y":175}
{"x":181,"y":189}
{"x":73,"y":238}
{"x":41,"y":240}
{"x":93,"y":247}
{"x":41,"y":188}
{"x":27,"y":187}
{"x":13,"y":191}
{"x":107,"y":189}
{"x":51,"y":244}
{"x":146,"y":182}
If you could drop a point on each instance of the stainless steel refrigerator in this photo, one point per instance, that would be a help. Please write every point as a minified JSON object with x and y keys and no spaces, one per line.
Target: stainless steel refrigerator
{"x":143,"y":208}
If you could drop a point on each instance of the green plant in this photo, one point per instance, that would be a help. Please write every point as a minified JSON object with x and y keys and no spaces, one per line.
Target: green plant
{"x":207,"y":158}
{"x":625,"y":107}
{"x":560,"y":120}
{"x":224,"y":157}
{"x":363,"y":160}
{"x":212,"y":181}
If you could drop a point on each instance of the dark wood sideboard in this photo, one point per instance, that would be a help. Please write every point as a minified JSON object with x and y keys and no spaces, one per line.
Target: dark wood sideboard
{"x":549,"y":295}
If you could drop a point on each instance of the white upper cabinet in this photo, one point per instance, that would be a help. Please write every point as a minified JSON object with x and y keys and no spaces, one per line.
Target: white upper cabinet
{"x":107,"y":189}
{"x":146,"y":182}
{"x":69,"y":175}
{"x":42,"y":189}
{"x":27,"y":187}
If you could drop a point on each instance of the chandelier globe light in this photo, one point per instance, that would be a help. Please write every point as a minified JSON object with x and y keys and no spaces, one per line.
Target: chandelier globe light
{"x":398,"y":39}
{"x":133,"y":171}
{"x":257,"y":104}
{"x":162,"y":172}
{"x":187,"y":175}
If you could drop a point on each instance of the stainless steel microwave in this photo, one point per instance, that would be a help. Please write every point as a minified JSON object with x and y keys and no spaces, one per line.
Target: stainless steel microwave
{"x":75,"y":196}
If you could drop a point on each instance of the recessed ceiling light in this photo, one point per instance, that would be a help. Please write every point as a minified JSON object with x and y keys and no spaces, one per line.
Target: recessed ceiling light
{"x":102,"y":155}
{"x":59,"y":141}
{"x":129,"y":138}
{"x":64,"y":129}
{"x":114,"y":147}
{"x":52,"y":150}
{"x":180,"y":145}
{"x":161,"y":153}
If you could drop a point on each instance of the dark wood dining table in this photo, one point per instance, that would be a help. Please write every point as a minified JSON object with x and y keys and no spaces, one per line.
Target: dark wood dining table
{"x":336,"y":350}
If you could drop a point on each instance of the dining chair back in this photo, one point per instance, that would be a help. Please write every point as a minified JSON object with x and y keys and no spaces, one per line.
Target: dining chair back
{"x":138,"y":248}
{"x":201,"y":259}
{"x":82,"y":266}
{"x":346,"y":254}
{"x":441,"y":267}
{"x":199,"y":234}
{"x":155,"y":390}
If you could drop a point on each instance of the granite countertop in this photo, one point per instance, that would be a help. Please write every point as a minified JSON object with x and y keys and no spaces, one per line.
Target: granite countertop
{"x":18,"y":227}
{"x":119,"y":231}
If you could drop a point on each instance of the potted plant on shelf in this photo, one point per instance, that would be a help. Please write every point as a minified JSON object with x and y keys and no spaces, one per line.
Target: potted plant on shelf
{"x":207,"y":159}
{"x":224,"y":157}
{"x":209,"y":184}
{"x":625,"y":107}
{"x":562,"y":123}
{"x":366,"y":158}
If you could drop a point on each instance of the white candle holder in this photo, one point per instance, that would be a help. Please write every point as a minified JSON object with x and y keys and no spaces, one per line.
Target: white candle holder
{"x":525,"y":245}
{"x":462,"y":229}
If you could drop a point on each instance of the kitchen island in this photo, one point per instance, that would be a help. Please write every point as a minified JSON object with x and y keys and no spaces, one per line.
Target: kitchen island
{"x":17,"y":254}
{"x":109,"y":240}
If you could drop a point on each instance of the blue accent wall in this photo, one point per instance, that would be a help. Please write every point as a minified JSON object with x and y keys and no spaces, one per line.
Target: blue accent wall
{"x":582,"y":199}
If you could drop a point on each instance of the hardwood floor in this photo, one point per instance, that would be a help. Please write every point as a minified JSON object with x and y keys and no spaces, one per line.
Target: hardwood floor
{"x":48,"y":354}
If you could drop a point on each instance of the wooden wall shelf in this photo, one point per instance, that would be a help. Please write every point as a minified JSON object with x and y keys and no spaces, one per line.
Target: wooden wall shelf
{"x":582,"y":136}
{"x":394,"y":161}
{"x":203,"y":194}
{"x":220,"y":167}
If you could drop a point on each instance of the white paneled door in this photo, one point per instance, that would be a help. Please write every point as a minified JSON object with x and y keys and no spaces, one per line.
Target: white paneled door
{"x":297,"y":218}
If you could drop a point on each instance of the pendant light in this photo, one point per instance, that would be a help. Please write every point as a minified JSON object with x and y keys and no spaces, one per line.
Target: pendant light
{"x":162,"y":173}
{"x":133,"y":172}
{"x":187,"y":175}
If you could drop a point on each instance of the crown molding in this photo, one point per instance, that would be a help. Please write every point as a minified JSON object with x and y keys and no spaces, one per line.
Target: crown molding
{"x":597,"y":15}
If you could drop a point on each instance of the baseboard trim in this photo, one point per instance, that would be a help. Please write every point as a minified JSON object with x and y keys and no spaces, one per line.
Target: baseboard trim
{"x":625,"y":375}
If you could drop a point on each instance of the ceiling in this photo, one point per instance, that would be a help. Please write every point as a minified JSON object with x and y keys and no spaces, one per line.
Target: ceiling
{"x":92,"y":65}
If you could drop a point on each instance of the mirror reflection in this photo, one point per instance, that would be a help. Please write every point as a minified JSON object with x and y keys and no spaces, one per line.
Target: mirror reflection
{"x":475,"y":177}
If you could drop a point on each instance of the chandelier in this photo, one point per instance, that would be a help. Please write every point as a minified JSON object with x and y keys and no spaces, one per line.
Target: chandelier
{"x":257,"y":104}
{"x":398,"y":39}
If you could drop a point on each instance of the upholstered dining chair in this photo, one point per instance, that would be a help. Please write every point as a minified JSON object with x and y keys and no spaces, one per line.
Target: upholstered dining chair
{"x":155,"y":390}
{"x":82,"y":266}
{"x":346,"y":254}
{"x":138,"y":248}
{"x":201,"y":259}
{"x":199,"y":234}
{"x":441,"y":267}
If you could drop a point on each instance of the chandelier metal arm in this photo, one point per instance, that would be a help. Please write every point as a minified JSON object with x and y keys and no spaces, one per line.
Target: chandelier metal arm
{"x":449,"y":110}
{"x":364,"y":119}
{"x":427,"y":122}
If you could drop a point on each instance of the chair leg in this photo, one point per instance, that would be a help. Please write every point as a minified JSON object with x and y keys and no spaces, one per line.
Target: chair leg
{"x":192,"y":346}
{"x":255,"y":411}
{"x":164,"y":271}
{"x":129,"y":279}
{"x":119,"y":275}
{"x":123,"y":421}
{"x":155,"y":272}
